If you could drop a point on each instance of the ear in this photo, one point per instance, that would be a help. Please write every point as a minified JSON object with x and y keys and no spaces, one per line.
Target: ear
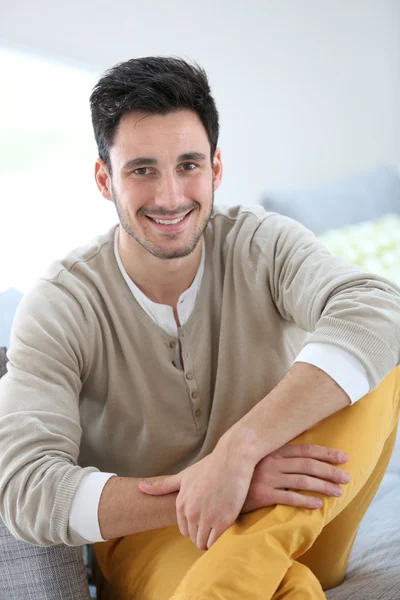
{"x":103,"y":179}
{"x":217,"y":169}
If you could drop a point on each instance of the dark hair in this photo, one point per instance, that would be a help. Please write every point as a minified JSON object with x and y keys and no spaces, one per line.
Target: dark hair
{"x":157,"y":85}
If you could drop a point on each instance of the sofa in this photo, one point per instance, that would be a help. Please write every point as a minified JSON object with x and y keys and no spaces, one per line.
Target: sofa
{"x":30,"y":572}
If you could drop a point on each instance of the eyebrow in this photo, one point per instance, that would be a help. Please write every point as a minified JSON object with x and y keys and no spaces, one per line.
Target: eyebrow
{"x":136,"y":163}
{"x":192,"y":156}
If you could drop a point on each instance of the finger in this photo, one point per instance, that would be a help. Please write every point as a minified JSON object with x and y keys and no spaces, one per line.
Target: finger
{"x":315,"y":468}
{"x":310,"y":484}
{"x":160,"y":486}
{"x":219,"y":529}
{"x":192,"y":530}
{"x":323,"y":453}
{"x":203,"y":534}
{"x":182,"y":523}
{"x":290,"y":498}
{"x":212,"y":538}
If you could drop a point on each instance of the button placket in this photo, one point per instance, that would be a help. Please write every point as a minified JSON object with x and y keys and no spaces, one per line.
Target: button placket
{"x":173,"y":346}
{"x":191,"y":382}
{"x":195,"y":398}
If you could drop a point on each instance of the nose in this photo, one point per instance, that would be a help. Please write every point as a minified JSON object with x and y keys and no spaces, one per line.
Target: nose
{"x":169,"y":193}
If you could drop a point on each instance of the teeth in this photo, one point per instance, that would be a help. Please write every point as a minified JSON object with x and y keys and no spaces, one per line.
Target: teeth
{"x":165,"y":222}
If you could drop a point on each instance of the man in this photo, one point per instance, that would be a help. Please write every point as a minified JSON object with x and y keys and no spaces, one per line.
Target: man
{"x":164,"y":350}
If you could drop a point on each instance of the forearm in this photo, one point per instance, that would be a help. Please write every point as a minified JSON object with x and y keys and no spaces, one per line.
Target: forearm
{"x":305,"y":396}
{"x":124,"y":509}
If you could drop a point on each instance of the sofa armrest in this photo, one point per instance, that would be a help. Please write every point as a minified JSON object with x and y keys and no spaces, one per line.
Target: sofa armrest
{"x":36,"y":572}
{"x":3,"y":361}
{"x":40,"y":573}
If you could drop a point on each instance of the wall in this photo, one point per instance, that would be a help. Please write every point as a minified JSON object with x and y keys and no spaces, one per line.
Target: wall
{"x":307,"y":90}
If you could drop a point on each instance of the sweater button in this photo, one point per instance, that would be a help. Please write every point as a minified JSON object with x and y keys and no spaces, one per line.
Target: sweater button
{"x":197,"y":412}
{"x":195,"y":395}
{"x":172,"y":344}
{"x":189,"y":376}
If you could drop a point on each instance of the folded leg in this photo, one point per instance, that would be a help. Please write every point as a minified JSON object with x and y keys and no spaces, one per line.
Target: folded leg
{"x":260,"y":556}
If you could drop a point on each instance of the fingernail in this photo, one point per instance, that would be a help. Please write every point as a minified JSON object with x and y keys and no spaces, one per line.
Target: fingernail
{"x":337,"y":492}
{"x":343,"y":457}
{"x":345,"y":477}
{"x":318,"y":503}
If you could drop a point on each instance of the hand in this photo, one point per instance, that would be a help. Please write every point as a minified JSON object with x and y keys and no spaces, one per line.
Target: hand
{"x":211,"y":494}
{"x":296,"y":467}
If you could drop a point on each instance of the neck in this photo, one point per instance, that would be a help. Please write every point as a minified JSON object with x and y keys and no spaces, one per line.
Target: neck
{"x":161,"y":280}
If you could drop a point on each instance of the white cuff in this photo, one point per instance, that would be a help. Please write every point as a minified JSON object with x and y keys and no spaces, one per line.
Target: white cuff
{"x":339,"y":364}
{"x":83,"y":518}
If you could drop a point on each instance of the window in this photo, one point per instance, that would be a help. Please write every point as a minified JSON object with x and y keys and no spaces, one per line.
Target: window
{"x":49,"y":200}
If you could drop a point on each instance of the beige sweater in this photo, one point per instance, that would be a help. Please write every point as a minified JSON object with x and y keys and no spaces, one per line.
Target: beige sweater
{"x":92,"y":384}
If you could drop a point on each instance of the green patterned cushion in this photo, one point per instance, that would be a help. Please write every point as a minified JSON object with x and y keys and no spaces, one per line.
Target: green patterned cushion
{"x":373,"y":245}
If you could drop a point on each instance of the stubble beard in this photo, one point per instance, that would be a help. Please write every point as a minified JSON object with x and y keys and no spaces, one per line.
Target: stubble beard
{"x":152,"y":248}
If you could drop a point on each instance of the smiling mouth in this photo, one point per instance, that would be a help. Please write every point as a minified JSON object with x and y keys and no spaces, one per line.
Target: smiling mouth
{"x":167,"y":222}
{"x":161,"y":221}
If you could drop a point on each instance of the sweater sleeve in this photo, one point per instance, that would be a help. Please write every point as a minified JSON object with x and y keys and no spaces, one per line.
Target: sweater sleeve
{"x":327,"y":296}
{"x":40,"y":430}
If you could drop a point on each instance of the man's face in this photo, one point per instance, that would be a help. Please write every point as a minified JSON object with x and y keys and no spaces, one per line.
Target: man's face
{"x":162,"y":180}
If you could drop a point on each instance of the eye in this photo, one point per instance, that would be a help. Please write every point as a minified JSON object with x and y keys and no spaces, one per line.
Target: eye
{"x":188,"y":166}
{"x":142,"y":171}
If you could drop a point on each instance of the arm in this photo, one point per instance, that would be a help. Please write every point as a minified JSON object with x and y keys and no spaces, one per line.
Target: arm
{"x":306,"y":393}
{"x":124,"y":509}
{"x":323,"y":294}
{"x":40,"y":430}
{"x":340,"y":305}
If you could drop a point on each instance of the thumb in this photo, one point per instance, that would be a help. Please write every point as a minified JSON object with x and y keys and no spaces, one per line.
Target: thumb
{"x":160,"y":485}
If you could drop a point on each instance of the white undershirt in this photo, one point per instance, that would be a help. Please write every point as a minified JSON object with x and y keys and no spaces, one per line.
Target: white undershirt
{"x":341,"y":366}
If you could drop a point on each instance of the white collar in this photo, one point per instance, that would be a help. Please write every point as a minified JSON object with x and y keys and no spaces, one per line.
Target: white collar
{"x":163,"y":314}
